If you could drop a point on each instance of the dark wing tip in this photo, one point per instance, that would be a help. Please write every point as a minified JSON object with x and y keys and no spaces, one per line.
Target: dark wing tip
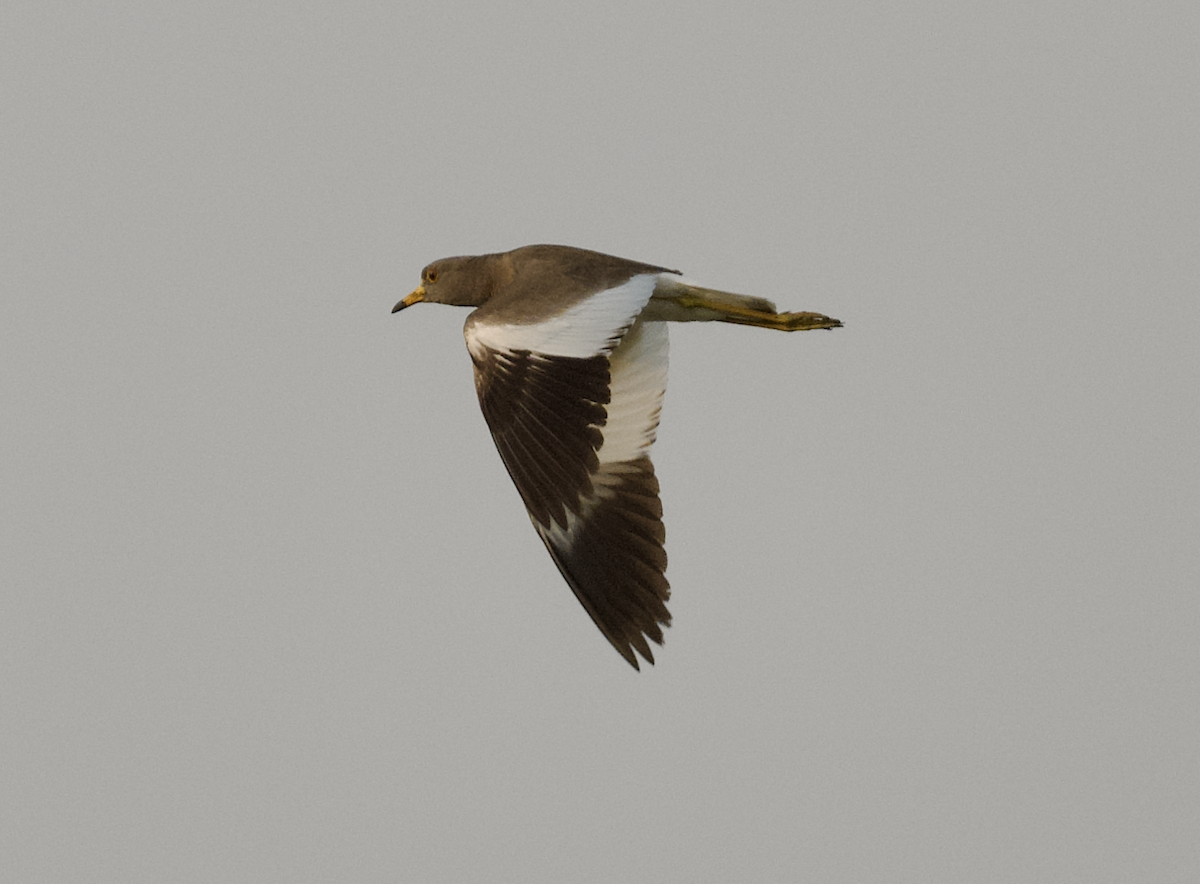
{"x":614,"y":561}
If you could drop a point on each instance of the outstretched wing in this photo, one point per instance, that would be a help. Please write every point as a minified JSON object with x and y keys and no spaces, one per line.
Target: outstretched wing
{"x":573,"y":405}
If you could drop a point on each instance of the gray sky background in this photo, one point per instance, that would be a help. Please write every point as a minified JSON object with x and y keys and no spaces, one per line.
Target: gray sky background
{"x":272,"y":610}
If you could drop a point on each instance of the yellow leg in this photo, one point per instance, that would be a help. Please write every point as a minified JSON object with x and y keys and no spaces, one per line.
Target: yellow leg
{"x":741,"y":315}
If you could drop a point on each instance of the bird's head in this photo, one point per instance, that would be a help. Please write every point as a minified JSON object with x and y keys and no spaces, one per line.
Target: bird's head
{"x":461,"y":282}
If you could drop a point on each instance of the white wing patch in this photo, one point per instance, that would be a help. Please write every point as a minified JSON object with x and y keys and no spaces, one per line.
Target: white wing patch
{"x":637,"y":382}
{"x":581,"y":331}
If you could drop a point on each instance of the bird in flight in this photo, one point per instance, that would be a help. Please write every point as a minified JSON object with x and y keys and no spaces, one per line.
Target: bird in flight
{"x":570,"y":354}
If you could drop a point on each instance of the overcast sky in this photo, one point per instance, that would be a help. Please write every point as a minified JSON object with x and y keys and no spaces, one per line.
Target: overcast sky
{"x":271,"y":609}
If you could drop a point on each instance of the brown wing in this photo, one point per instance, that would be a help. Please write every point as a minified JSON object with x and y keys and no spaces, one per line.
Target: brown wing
{"x":574,"y":433}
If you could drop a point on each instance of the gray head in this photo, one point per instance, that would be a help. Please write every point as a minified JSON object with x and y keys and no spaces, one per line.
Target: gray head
{"x":463,"y":282}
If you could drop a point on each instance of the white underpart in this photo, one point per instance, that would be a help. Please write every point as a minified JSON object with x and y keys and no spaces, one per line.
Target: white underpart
{"x":581,"y":331}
